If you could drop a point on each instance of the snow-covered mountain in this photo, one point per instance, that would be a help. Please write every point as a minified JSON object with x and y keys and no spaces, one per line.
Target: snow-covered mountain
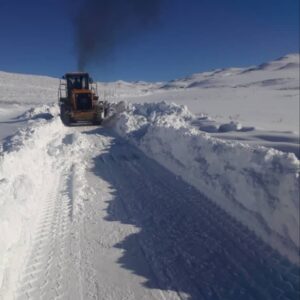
{"x":282,"y":73}
{"x":266,"y":96}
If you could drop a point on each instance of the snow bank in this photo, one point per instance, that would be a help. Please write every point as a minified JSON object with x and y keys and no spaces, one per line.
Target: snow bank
{"x":31,"y":165}
{"x":256,"y":185}
{"x":46,"y":111}
{"x":23,"y":169}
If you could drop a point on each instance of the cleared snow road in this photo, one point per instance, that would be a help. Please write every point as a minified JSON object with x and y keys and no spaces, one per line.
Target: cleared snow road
{"x":116,"y":225}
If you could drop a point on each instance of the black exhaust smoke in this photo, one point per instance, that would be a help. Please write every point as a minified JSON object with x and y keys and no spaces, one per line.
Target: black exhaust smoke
{"x":101,"y":25}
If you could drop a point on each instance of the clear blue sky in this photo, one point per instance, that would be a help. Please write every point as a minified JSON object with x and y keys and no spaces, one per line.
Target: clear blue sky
{"x":36,"y":36}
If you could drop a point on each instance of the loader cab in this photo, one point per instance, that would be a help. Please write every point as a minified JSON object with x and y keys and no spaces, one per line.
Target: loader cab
{"x":78,"y":81}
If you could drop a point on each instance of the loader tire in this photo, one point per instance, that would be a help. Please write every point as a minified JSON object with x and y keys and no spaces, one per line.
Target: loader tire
{"x":97,"y":122}
{"x":65,"y":115}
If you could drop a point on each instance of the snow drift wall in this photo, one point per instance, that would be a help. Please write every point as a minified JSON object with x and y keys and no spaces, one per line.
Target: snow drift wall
{"x":256,"y":185}
{"x":25,"y":172}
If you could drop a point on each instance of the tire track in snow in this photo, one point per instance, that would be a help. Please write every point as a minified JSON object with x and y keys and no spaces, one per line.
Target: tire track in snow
{"x":99,"y":237}
{"x":126,"y":213}
{"x":43,"y":276}
{"x":52,"y":269}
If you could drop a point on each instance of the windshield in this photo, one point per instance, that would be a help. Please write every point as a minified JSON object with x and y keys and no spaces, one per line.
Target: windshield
{"x":78,"y":82}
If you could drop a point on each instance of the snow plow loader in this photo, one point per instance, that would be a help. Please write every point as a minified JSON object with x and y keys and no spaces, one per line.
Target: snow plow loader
{"x":79,"y":101}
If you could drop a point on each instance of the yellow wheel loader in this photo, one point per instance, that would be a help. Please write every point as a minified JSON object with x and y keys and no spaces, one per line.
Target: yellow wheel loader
{"x":79,"y":101}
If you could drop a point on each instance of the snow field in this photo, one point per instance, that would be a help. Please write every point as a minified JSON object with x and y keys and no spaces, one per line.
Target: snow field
{"x":51,"y":235}
{"x":27,"y":89}
{"x":256,"y":185}
{"x":45,"y":176}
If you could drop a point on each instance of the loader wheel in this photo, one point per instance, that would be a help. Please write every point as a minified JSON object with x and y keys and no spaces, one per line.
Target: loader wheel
{"x":97,"y":122}
{"x":65,"y":116}
{"x":106,"y":110}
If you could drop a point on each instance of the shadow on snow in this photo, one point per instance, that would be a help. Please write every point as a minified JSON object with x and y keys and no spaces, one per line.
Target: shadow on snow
{"x":191,"y":246}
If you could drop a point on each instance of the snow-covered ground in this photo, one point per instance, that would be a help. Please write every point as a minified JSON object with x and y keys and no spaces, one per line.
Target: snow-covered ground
{"x":162,"y":202}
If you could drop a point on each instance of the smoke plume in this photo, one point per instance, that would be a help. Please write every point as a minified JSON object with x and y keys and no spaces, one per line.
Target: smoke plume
{"x":101,"y":25}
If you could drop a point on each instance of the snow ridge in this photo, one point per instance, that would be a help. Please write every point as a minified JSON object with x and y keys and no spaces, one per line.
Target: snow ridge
{"x":256,"y":185}
{"x":30,"y":165}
